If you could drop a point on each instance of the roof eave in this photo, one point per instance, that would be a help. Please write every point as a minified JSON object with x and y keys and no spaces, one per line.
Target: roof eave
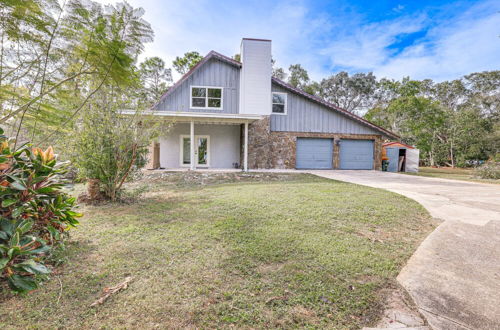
{"x":210,"y":55}
{"x":334,"y":107}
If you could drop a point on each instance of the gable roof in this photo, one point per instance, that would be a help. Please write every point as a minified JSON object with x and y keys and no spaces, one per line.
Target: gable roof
{"x":333,"y":107}
{"x":213,"y":54}
{"x":208,"y":57}
{"x":389,"y":144}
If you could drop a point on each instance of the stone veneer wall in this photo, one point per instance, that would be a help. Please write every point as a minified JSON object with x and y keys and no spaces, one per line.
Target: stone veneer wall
{"x":268,"y":149}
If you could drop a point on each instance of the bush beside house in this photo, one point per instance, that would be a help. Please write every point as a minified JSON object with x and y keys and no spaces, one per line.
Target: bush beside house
{"x":34,"y":215}
{"x":490,"y":170}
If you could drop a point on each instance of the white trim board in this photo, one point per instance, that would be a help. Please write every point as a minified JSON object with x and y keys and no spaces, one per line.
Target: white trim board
{"x":188,"y":116}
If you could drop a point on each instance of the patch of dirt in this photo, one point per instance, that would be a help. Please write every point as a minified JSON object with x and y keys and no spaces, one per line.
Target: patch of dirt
{"x":84,"y":198}
{"x":163,"y":195}
{"x":270,"y":268}
{"x":300,"y":314}
{"x":93,"y":194}
{"x":399,"y":311}
{"x":363,"y":279}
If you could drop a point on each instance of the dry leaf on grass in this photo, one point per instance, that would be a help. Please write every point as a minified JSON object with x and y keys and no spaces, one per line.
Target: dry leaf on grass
{"x":107,"y":292}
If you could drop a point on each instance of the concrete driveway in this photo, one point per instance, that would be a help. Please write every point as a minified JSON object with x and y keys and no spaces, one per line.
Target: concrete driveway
{"x":454,"y":276}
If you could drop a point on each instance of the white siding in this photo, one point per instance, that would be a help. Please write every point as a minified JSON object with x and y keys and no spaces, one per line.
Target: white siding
{"x":255,"y":77}
{"x":224,"y":144}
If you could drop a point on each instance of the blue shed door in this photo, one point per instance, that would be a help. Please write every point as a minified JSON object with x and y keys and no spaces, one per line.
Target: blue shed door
{"x":393,"y":155}
{"x":314,"y":153}
{"x":356,"y":154}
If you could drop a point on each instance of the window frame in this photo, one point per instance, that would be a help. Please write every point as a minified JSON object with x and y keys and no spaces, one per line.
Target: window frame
{"x":181,"y":150}
{"x":285,"y":110}
{"x":206,"y":107}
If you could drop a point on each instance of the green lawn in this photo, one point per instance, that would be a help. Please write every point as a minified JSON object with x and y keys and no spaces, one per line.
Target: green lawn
{"x":264,"y":252}
{"x":464,"y":174}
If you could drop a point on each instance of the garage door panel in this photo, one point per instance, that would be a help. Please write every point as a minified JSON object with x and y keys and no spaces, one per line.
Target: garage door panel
{"x":314,"y":153}
{"x":356,"y":154}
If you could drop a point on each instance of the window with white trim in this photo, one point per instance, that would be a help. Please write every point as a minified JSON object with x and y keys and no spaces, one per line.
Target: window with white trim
{"x":206,"y":97}
{"x":279,"y":103}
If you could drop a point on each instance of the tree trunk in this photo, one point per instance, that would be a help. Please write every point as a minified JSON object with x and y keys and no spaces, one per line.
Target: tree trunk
{"x":451,"y":155}
{"x":431,"y":153}
{"x":127,"y":172}
{"x":94,"y":189}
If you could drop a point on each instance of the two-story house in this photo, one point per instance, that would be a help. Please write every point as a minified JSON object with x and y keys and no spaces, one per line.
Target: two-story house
{"x":230,"y":114}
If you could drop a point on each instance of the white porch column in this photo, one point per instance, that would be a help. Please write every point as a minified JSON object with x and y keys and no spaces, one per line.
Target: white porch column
{"x":245,"y":151}
{"x":191,"y":144}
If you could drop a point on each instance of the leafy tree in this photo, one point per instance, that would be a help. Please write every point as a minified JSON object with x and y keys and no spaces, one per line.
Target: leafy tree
{"x":155,"y":79}
{"x":470,"y":136}
{"x":451,"y":94}
{"x":460,"y":126}
{"x":83,"y":59}
{"x":400,"y":108}
{"x":484,"y":89}
{"x":54,"y":58}
{"x":108,"y":147}
{"x":420,"y":122}
{"x":237,"y":57}
{"x":277,"y":72}
{"x":187,"y":62}
{"x":353,"y":93}
{"x":298,"y":76}
{"x":484,"y":94}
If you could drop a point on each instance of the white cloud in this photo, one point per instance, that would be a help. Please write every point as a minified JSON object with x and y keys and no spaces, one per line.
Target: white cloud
{"x":468,"y":43}
{"x":181,"y":26}
{"x":367,"y":47}
{"x":327,"y":42}
{"x":469,"y":46}
{"x":399,"y":8}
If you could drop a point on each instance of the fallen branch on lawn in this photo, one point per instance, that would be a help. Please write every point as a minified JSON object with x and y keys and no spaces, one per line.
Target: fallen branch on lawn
{"x":109,"y":291}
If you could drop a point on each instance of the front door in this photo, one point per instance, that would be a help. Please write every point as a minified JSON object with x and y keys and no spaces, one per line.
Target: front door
{"x":201,"y":150}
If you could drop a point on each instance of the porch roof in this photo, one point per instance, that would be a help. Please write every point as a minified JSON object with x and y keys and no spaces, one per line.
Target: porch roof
{"x":203,"y":117}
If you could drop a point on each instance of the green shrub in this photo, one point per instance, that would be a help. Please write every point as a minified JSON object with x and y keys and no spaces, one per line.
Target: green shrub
{"x":111,"y":148}
{"x":34,"y":213}
{"x":490,"y":170}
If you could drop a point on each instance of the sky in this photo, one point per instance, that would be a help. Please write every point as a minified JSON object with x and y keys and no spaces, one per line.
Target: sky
{"x":440,"y":40}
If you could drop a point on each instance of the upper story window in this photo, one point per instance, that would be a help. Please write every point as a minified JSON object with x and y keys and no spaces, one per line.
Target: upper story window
{"x":279,"y":103}
{"x":206,"y":97}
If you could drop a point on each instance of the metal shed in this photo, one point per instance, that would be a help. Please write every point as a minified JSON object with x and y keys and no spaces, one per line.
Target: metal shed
{"x":401,"y":157}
